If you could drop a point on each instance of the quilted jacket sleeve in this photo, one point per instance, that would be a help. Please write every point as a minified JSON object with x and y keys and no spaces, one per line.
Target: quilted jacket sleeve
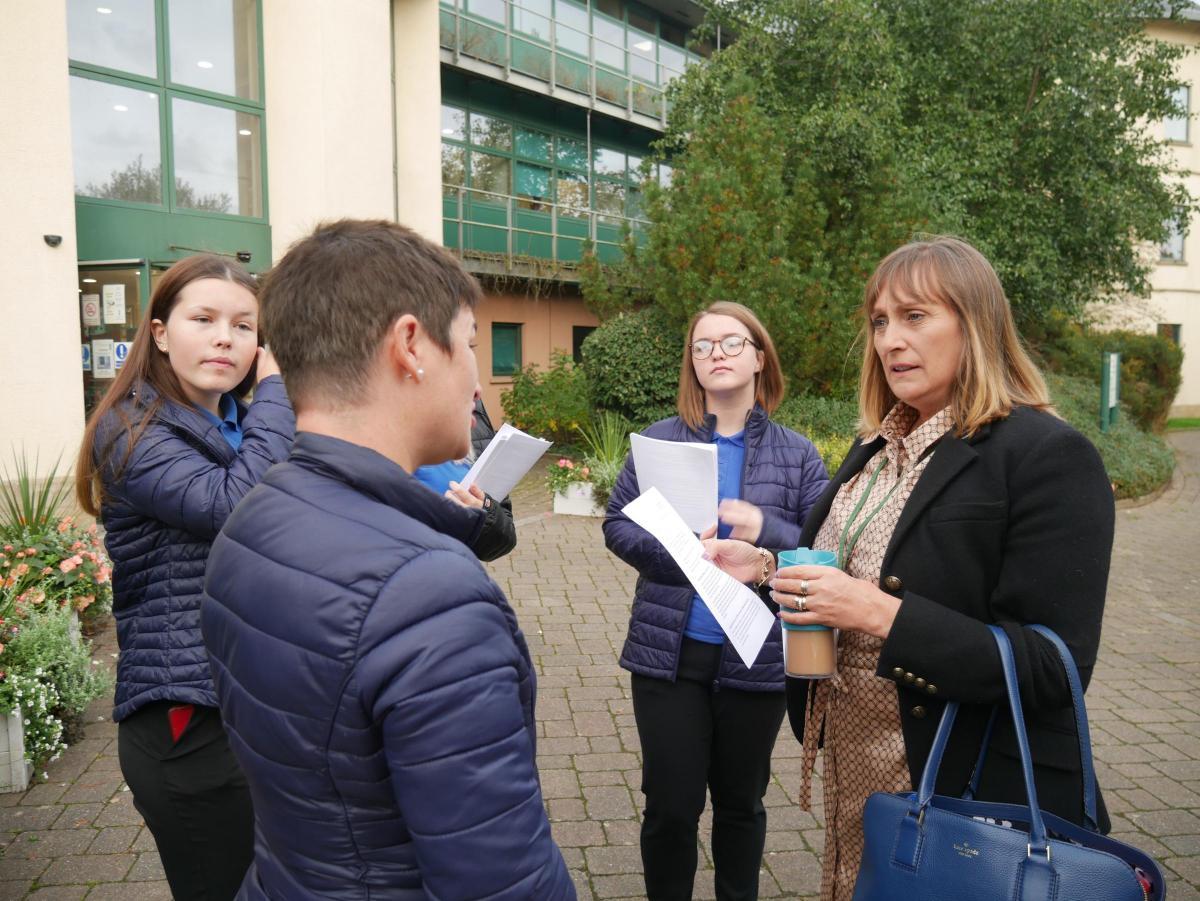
{"x":452,"y":694}
{"x":779,"y":533}
{"x":631,"y":542}
{"x":168,"y":478}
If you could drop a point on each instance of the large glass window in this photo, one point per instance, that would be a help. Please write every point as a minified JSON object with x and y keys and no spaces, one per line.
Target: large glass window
{"x":532,"y":17}
{"x":490,"y":172}
{"x":124,"y":111}
{"x":506,"y":348}
{"x":454,"y":165}
{"x":114,"y":34}
{"x":1175,"y":128}
{"x":610,"y":42}
{"x":454,"y":123}
{"x":487,"y":9}
{"x":489,"y":132}
{"x":115,"y":142}
{"x":572,"y":31}
{"x":214,"y":46}
{"x":533,"y":186}
{"x":217,"y":166}
{"x":1172,"y":248}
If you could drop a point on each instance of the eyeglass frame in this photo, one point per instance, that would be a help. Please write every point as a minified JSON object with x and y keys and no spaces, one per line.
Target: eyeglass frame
{"x":743,"y":341}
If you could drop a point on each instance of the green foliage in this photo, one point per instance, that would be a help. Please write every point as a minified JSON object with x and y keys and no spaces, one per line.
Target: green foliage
{"x":1183,"y":423}
{"x":607,"y":441}
{"x":632,"y":365}
{"x":1137,"y":462}
{"x":25,"y":505}
{"x":829,"y":423}
{"x":57,"y":563}
{"x":1151,"y":366}
{"x":549,"y":403}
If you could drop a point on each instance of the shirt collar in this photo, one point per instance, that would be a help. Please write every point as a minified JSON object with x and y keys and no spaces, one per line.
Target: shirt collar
{"x":906,"y":443}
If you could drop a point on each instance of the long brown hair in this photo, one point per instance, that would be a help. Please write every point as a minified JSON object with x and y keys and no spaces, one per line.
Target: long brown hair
{"x":147,"y":365}
{"x":995,"y":373}
{"x":768,"y":382}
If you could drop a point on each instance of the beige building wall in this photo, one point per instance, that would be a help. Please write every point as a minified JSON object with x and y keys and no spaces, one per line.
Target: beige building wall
{"x":546,"y":326}
{"x":418,"y":117}
{"x":330,"y":138}
{"x":1176,"y":286}
{"x":41,"y":398}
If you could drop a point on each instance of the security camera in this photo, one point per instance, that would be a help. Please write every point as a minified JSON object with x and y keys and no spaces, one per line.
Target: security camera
{"x":52,"y":240}
{"x":243,"y":256}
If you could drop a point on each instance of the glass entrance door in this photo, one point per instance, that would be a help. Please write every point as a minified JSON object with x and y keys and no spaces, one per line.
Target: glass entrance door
{"x":110,"y":310}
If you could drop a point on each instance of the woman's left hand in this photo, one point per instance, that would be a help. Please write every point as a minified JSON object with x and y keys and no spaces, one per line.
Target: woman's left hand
{"x":833,"y":598}
{"x":467,"y":497}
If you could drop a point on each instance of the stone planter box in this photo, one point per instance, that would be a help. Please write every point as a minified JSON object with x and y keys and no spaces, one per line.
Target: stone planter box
{"x":577,"y":501}
{"x":14,"y":771}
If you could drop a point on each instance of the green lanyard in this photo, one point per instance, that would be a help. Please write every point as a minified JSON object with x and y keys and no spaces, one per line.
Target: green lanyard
{"x":846,"y":547}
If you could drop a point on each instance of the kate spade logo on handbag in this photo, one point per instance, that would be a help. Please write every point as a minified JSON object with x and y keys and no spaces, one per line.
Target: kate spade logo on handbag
{"x":964,"y":849}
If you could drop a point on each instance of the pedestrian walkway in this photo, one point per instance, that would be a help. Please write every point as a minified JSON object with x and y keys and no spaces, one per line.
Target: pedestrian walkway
{"x":76,"y":835}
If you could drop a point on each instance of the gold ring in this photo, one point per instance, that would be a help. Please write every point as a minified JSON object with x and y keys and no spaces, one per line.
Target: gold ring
{"x":802,"y":606}
{"x":804,"y":588}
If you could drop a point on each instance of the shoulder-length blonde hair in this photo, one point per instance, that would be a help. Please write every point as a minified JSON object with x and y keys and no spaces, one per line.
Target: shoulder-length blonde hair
{"x":768,"y":381}
{"x":995,"y":373}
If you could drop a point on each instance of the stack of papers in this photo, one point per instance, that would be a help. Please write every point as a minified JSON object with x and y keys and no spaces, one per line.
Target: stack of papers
{"x":685,"y":474}
{"x":504,"y":462}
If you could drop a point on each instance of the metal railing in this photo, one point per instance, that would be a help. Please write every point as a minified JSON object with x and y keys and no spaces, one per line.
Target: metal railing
{"x":549,"y":50}
{"x":566,"y":224}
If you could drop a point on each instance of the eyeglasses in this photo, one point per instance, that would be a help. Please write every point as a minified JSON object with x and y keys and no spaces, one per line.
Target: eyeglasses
{"x":731,"y":345}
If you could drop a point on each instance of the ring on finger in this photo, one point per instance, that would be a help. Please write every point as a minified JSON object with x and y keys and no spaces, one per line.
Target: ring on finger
{"x":802,"y":604}
{"x":804,"y":588}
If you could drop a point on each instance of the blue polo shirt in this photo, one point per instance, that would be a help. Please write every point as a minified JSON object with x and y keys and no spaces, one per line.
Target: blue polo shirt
{"x":227,"y":422}
{"x":731,"y":459}
{"x":440,"y":475}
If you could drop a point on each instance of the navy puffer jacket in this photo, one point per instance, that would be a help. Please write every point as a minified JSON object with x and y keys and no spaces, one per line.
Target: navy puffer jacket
{"x":160,"y":515}
{"x":783,"y":477}
{"x":376,"y":690}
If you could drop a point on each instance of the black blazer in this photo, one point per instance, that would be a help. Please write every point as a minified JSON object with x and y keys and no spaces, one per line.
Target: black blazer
{"x":1012,"y":526}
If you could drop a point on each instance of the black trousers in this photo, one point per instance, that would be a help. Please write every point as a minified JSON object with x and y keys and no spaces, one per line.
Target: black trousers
{"x":193,"y":797}
{"x":695,"y":737}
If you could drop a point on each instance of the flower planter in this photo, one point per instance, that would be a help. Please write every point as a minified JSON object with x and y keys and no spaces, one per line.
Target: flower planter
{"x":576,"y":500}
{"x":14,"y":771}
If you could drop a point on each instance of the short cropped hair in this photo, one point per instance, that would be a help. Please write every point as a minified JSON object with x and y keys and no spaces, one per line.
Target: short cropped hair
{"x":768,"y":382}
{"x":995,"y":373}
{"x":327,"y":305}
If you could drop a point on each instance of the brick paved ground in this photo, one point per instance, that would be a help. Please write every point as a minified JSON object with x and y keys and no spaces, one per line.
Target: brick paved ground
{"x":77,"y":835}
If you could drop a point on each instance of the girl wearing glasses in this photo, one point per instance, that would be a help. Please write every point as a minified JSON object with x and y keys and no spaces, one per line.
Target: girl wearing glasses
{"x":706,"y":721}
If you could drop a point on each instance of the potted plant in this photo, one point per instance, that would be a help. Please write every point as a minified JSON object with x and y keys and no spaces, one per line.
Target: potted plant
{"x":571,"y":485}
{"x":583,"y":489}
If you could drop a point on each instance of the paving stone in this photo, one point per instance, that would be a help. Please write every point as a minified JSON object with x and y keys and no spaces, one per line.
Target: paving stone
{"x":87,"y":868}
{"x":147,"y":869}
{"x":49,"y":843}
{"x":114,"y":839}
{"x":59,"y":893}
{"x":131,"y":891}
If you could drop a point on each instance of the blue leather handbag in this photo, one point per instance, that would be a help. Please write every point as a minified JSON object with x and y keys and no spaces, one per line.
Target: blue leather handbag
{"x":925,"y":847}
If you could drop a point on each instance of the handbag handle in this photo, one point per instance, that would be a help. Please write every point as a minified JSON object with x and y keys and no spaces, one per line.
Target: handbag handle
{"x":1087,"y":766}
{"x":1037,"y":826}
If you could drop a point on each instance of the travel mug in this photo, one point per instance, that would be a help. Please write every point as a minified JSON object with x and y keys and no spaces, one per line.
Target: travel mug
{"x":809,"y":652}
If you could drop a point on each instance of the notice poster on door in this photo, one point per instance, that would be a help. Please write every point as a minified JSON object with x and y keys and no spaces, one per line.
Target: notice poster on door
{"x":103,"y":366}
{"x":89,"y":310}
{"x":87,"y":357}
{"x":114,"y":304}
{"x":120,"y":352}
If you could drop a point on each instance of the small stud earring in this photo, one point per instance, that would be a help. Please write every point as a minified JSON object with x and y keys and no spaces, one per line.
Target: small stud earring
{"x":420,"y":372}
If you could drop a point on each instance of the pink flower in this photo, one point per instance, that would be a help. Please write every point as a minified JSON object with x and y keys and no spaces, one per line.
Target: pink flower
{"x":21,"y":570}
{"x":47,"y":571}
{"x":65,"y":524}
{"x":91,"y":529}
{"x":103,"y":575}
{"x":68,"y":564}
{"x":8,"y":547}
{"x":585,"y":472}
{"x":563,"y":462}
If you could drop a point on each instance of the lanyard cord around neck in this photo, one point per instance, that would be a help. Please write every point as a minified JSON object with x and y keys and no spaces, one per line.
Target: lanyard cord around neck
{"x":847,"y":541}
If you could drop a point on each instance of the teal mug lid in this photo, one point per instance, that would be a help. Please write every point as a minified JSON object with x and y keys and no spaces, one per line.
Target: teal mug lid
{"x":803,"y":556}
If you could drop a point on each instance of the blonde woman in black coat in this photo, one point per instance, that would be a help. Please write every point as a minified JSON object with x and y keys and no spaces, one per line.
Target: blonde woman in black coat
{"x":965,"y":501}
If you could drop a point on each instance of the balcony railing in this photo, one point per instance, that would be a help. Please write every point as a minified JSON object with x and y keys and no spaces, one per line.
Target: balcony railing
{"x":541,"y":47}
{"x":485,"y":225}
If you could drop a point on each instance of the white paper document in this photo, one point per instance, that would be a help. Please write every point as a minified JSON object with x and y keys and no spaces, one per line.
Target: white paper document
{"x":685,"y":473}
{"x":114,"y":304}
{"x":504,"y":462}
{"x":739,"y":611}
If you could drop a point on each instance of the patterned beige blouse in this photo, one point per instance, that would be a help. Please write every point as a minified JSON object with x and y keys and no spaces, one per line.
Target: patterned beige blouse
{"x":864,"y":747}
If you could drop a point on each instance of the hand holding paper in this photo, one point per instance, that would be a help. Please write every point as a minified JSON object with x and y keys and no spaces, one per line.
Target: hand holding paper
{"x":739,"y":611}
{"x":505,"y":460}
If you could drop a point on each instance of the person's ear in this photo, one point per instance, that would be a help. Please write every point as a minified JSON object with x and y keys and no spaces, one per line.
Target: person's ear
{"x":158,"y":329}
{"x":402,"y":347}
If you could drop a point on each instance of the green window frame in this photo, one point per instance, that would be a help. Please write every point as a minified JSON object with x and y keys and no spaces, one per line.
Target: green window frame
{"x":167,"y":92}
{"x":506,"y":349}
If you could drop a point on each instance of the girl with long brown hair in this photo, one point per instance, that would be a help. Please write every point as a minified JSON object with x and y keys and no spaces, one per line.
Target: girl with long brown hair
{"x":167,"y":454}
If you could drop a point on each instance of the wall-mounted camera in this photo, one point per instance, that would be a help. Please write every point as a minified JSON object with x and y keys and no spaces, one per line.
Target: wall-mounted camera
{"x":243,"y":256}
{"x":52,"y":240}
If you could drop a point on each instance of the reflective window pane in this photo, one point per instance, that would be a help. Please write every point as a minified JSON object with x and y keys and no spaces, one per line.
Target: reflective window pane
{"x":532,"y":17}
{"x":1172,"y":247}
{"x":533,"y":144}
{"x":664,"y":175}
{"x":572,"y":31}
{"x":610,"y":42}
{"x":571,"y":153}
{"x":115,"y":142}
{"x":642,"y":56}
{"x":1175,"y":128}
{"x":489,"y":132}
{"x":214,"y":45}
{"x":610,"y":198}
{"x":533,"y":186}
{"x":454,"y":166}
{"x":572,"y":194}
{"x":454,"y":123}
{"x":489,"y":173}
{"x":642,"y":20}
{"x":609,"y":162}
{"x":117,"y":34}
{"x":218,"y":159}
{"x":487,"y":9}
{"x":672,"y":62}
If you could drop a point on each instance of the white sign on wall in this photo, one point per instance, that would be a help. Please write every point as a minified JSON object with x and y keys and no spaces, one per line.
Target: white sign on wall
{"x":114,"y":304}
{"x":120,"y":352}
{"x":89,"y":310}
{"x":103,"y":366}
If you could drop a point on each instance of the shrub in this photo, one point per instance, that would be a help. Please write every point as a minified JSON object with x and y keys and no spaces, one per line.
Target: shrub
{"x":829,"y":423}
{"x":607,"y":442}
{"x":550,"y":403}
{"x":632,"y":366}
{"x":1137,"y":462}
